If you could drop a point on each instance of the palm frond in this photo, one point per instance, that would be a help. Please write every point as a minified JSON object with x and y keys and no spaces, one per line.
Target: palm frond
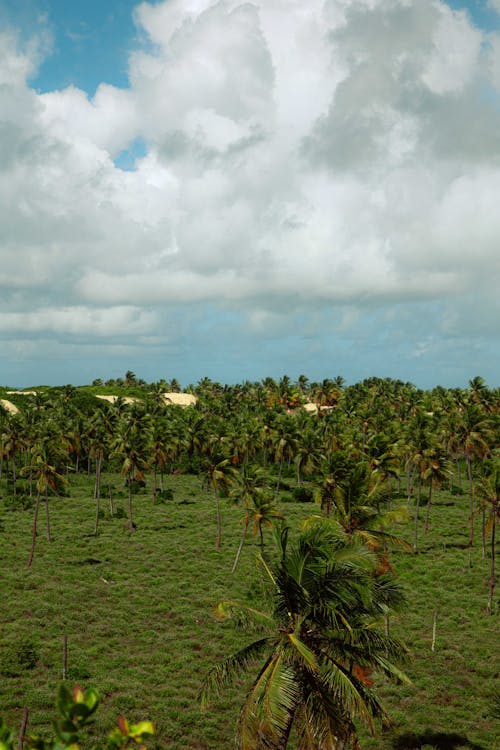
{"x":229,"y":668}
{"x":244,"y":617}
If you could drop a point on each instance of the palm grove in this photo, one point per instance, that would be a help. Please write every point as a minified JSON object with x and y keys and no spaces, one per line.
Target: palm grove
{"x":368,"y":459}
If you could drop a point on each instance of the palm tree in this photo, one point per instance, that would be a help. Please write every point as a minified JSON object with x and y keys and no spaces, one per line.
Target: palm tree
{"x":356,"y":500}
{"x":247,"y":486}
{"x":436,"y":470}
{"x":489,"y":494}
{"x":474,"y":435}
{"x":131,"y":445}
{"x":47,"y":477}
{"x":98,"y":442}
{"x":13,"y":442}
{"x":318,"y":644}
{"x":263,"y":513}
{"x":218,"y":472}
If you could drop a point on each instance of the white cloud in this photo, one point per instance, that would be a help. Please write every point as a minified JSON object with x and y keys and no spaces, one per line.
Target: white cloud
{"x":81,"y":321}
{"x":313,"y":154}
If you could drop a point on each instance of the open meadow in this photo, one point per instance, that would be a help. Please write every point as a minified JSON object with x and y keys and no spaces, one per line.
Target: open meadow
{"x":138,"y":612}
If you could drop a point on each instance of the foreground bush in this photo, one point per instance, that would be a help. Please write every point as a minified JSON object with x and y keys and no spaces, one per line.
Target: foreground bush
{"x":76,"y":709}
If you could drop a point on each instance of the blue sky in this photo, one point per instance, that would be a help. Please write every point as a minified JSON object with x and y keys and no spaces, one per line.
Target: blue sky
{"x":209,"y":187}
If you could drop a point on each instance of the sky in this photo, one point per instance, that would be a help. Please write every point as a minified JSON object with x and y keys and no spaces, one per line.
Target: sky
{"x":240,"y":189}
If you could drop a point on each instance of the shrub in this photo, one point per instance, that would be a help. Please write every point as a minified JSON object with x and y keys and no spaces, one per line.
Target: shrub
{"x":18,"y":658}
{"x":166,"y":495}
{"x":21,"y":501}
{"x":76,"y":710}
{"x":303,"y":495}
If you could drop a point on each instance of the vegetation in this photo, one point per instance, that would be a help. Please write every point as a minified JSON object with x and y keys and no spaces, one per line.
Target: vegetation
{"x":146,"y":512}
{"x":76,"y":710}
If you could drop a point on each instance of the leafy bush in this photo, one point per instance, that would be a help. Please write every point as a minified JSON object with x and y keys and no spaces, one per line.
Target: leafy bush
{"x":20,"y":501}
{"x":18,"y":658}
{"x":302,"y":495}
{"x":166,"y":495}
{"x":76,"y":710}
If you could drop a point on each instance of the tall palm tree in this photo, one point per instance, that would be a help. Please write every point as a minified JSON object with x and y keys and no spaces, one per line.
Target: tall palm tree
{"x":318,"y":642}
{"x":489,"y":495}
{"x":436,"y":470}
{"x":131,"y":445}
{"x":248,"y":488}
{"x":47,"y":477}
{"x":218,"y":473}
{"x":474,"y":435}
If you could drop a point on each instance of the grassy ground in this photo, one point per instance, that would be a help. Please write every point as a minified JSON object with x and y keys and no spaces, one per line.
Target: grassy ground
{"x":138,"y":613}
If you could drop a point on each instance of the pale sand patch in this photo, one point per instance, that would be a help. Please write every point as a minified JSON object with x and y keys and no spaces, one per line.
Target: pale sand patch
{"x":180,"y":399}
{"x":112,"y":399}
{"x":310,"y":407}
{"x":9,"y":406}
{"x":23,"y":393}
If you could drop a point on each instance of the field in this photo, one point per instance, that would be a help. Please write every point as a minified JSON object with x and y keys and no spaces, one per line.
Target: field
{"x":138,"y":613}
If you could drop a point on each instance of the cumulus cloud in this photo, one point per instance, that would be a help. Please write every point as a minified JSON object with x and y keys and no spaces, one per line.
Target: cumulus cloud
{"x":335,"y":153}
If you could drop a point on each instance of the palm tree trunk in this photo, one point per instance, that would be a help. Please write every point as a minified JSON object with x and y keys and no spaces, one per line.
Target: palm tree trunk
{"x":483,"y":531}
{"x":33,"y":532}
{"x":97,"y":493}
{"x":409,"y":488}
{"x":131,"y":526}
{"x":14,"y":478}
{"x":219,"y":524}
{"x":279,"y":479}
{"x":417,"y":507}
{"x":492,"y":566}
{"x":47,"y":518}
{"x":242,"y":541}
{"x":471,"y":501}
{"x":427,"y":510}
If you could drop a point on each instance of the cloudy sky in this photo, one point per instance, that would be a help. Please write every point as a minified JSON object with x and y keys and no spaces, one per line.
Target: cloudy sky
{"x":243,"y":188}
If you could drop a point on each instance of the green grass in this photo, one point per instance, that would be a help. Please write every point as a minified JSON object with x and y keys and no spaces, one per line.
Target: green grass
{"x":138,"y":613}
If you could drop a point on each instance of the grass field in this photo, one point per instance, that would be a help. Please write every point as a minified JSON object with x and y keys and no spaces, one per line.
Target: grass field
{"x":138,"y":613}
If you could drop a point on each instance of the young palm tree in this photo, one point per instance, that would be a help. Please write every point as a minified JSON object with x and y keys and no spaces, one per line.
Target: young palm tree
{"x":356,"y":507}
{"x":318,"y":645}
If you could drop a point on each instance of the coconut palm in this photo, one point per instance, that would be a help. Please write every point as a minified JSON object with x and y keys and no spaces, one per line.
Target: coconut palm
{"x":488,"y":492}
{"x":474,"y":435}
{"x":43,"y":470}
{"x":218,"y":474}
{"x":436,"y":470}
{"x":318,"y":643}
{"x":246,"y":489}
{"x":356,"y":500}
{"x":131,"y":445}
